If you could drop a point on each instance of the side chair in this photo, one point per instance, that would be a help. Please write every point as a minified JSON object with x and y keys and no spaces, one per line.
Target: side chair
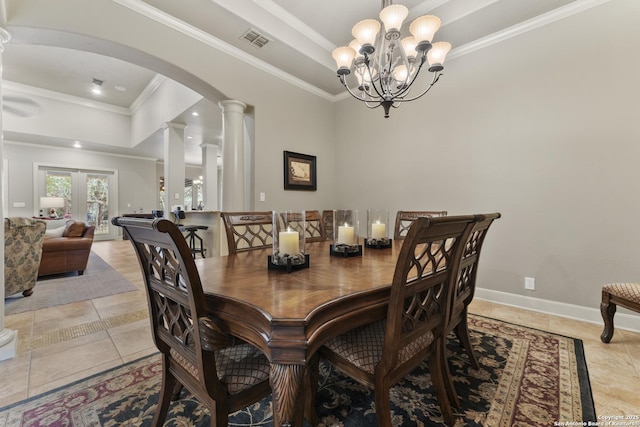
{"x":224,"y":373}
{"x":381,"y":353}
{"x":248,"y":230}
{"x":404,"y":219}
{"x":314,"y":230}
{"x":327,"y":219}
{"x":465,"y":287}
{"x":625,"y":295}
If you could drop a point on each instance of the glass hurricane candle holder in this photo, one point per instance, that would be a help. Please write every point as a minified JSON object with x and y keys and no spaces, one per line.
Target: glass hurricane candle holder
{"x":345,"y":234}
{"x":377,"y":229}
{"x":288,"y":241}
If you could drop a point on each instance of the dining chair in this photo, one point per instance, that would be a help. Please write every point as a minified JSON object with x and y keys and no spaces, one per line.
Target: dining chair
{"x":248,"y":230}
{"x":314,"y":228}
{"x":223,"y":372}
{"x":404,"y":219}
{"x":381,"y":353}
{"x":327,"y":219}
{"x":465,"y":284}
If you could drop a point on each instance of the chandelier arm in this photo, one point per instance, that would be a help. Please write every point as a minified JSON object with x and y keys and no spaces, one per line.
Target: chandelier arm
{"x":373,"y":83}
{"x":406,"y":88}
{"x":363,"y":99}
{"x":436,"y":77}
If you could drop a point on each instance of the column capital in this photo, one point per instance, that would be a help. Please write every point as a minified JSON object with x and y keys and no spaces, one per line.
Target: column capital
{"x":209,"y":145}
{"x":168,"y":125}
{"x":232,"y":105}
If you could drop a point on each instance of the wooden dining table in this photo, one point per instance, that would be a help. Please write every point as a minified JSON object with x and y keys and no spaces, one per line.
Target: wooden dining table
{"x":290,"y":315}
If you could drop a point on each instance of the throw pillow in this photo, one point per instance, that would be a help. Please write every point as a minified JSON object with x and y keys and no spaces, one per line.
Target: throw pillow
{"x":74,"y":229}
{"x":54,"y":232}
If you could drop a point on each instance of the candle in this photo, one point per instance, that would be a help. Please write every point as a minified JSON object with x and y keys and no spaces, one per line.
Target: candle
{"x":345,"y":235}
{"x":378,"y":230}
{"x":288,"y":241}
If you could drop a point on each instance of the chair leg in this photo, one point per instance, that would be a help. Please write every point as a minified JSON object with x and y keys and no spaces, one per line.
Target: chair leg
{"x":440,"y":378}
{"x":607,"y":309}
{"x":383,"y":406}
{"x":27,"y":293}
{"x":164,"y":400}
{"x":462,"y":332}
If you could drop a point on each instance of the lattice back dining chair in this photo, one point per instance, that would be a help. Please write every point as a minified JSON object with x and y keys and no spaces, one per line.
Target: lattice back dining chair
{"x":314,"y":226}
{"x":327,"y":219}
{"x":224,"y":373}
{"x":466,"y":282}
{"x":404,"y":219}
{"x":248,"y":230}
{"x":381,"y":353}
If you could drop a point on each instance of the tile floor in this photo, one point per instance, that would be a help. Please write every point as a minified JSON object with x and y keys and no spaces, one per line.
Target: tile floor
{"x":62,"y":344}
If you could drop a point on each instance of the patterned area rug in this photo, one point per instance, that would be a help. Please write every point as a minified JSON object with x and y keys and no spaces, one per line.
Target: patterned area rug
{"x":527,"y":377}
{"x":99,"y":280}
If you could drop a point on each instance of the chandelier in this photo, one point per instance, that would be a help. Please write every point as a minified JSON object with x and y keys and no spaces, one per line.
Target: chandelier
{"x":386,"y":67}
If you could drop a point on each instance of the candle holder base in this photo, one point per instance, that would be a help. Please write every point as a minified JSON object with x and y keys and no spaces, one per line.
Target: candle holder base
{"x":345,"y":251}
{"x":288,"y":265}
{"x":378,"y":243}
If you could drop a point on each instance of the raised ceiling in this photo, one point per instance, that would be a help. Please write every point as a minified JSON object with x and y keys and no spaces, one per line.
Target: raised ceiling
{"x":300,"y":34}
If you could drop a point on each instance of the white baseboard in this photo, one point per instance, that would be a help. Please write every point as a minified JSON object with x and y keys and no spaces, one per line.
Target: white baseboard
{"x":629,"y":322}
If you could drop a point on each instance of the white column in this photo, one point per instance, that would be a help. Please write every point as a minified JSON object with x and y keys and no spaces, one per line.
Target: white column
{"x":8,"y":337}
{"x":210,"y":175}
{"x":173,"y":167}
{"x":233,"y":156}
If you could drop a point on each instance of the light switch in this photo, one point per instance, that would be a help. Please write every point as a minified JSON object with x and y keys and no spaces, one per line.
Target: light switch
{"x":176,"y":196}
{"x":263,"y":197}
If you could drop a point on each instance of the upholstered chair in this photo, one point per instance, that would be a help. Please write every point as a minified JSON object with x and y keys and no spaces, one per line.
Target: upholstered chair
{"x":625,"y":295}
{"x":23,"y":239}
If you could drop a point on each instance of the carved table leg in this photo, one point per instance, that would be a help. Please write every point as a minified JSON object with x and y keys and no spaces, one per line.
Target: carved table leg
{"x":285,"y":381}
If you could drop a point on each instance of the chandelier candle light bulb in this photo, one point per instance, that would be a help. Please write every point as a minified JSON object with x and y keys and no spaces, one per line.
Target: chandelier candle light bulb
{"x":385,"y":66}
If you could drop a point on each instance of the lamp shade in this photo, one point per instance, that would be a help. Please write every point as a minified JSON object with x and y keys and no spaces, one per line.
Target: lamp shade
{"x":52,"y":202}
{"x":366,"y":31}
{"x":344,"y":57}
{"x":438,"y":52}
{"x":424,"y":28}
{"x":393,"y":16}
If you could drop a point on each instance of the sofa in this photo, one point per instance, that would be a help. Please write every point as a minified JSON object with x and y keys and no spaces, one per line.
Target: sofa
{"x":66,"y":247}
{"x":23,"y":240}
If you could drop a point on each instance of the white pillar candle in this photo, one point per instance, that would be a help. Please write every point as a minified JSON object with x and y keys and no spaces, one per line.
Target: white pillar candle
{"x":345,"y":235}
{"x":288,"y":242}
{"x":378,"y":231}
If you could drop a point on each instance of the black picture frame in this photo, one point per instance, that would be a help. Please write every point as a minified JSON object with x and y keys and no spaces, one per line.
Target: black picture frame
{"x":300,"y":172}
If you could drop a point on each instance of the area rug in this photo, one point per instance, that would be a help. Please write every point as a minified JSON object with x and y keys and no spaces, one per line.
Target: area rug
{"x":98,"y":280}
{"x":527,"y":377}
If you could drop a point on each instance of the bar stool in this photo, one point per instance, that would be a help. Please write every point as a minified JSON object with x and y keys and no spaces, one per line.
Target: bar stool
{"x":192,"y":233}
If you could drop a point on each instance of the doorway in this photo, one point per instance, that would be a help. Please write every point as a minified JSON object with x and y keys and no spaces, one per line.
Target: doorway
{"x":89,"y":195}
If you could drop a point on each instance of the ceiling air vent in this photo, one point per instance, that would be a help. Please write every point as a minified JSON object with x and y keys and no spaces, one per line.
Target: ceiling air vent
{"x":255,"y":38}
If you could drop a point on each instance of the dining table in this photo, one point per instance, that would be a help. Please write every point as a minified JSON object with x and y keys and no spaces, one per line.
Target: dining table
{"x":290,"y":314}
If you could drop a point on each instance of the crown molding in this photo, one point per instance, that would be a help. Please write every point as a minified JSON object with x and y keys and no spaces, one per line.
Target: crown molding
{"x":163,"y":18}
{"x":87,"y":150}
{"x":146,"y":93}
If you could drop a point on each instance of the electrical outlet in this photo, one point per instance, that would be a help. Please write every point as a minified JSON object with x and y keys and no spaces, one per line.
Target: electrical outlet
{"x":263,"y":197}
{"x":530,"y":283}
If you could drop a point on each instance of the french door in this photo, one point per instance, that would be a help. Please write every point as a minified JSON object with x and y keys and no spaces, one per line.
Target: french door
{"x":90,"y":195}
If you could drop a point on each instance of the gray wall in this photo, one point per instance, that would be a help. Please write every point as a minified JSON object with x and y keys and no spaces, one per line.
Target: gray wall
{"x":542,"y":128}
{"x":137,"y":177}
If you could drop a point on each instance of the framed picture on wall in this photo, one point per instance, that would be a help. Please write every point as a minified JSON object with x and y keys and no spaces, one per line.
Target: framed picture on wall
{"x":299,"y":172}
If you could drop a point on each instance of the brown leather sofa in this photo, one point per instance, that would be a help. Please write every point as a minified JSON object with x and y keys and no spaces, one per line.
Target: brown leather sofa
{"x":69,"y":252}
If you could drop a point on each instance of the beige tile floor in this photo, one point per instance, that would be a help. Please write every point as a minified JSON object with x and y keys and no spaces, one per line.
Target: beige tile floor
{"x":62,"y":344}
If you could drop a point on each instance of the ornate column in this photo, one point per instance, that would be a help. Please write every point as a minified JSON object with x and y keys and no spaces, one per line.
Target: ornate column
{"x":233,"y":156}
{"x":173,"y":167}
{"x":8,"y":337}
{"x":210,"y":175}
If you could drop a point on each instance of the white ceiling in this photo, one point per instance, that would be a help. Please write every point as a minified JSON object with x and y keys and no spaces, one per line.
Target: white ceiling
{"x":302,"y":35}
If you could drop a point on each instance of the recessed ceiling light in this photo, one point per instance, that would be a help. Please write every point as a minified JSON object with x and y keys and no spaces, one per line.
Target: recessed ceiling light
{"x":189,"y":137}
{"x":97,"y":86}
{"x":121,"y":88}
{"x":77,"y":144}
{"x":97,"y":91}
{"x":195,"y":113}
